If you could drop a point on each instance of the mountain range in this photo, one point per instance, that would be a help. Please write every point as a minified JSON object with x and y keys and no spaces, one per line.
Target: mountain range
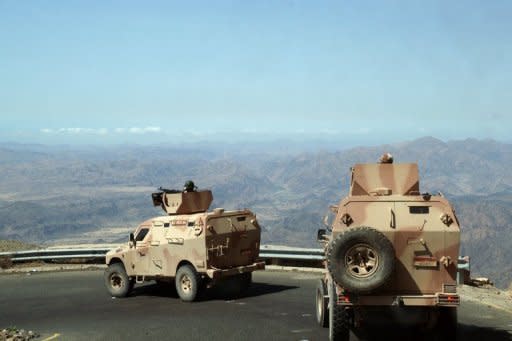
{"x":55,"y":193}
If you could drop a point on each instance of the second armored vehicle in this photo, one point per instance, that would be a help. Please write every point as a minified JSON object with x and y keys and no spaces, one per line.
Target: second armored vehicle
{"x":391,"y":256}
{"x":189,"y":245}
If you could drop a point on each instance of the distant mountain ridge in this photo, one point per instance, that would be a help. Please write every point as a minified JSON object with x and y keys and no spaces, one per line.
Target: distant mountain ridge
{"x":51,"y":193}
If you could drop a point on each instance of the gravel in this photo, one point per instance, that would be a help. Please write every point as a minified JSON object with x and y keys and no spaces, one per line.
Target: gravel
{"x":15,"y":334}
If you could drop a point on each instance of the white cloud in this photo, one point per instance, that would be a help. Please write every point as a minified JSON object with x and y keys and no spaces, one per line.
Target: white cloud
{"x":77,"y":131}
{"x":138,"y":130}
{"x":100,"y":131}
{"x":152,"y":129}
{"x":69,"y":130}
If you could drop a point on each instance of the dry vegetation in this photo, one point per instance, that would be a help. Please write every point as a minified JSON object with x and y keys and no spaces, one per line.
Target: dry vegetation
{"x":11,"y":246}
{"x":14,"y":245}
{"x":5,"y":262}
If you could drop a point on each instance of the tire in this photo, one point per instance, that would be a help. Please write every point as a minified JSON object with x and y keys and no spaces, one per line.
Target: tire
{"x":117,"y":281}
{"x":236,"y":286}
{"x":245,"y":281}
{"x":339,"y":322}
{"x":446,"y":328}
{"x":361,"y":259}
{"x":187,"y":283}
{"x":321,"y":305}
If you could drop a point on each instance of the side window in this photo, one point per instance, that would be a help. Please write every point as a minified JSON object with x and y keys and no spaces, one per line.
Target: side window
{"x":418,"y":209}
{"x":142,"y":233}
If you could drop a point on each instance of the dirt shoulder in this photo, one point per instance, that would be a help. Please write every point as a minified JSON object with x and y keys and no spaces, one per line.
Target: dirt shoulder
{"x":489,"y":295}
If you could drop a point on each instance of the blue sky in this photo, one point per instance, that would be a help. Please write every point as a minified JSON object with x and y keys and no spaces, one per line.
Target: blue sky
{"x":120,"y":71}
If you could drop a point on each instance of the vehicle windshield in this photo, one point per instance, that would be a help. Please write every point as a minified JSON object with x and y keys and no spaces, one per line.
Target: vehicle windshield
{"x":141,"y":234}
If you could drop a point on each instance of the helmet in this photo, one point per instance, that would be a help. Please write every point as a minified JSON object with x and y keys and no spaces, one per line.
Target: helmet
{"x":189,"y":186}
{"x":386,"y":158}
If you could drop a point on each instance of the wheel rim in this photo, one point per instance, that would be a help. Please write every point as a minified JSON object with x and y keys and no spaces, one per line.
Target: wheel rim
{"x":361,"y":261}
{"x":319,"y":305}
{"x":116,"y":281}
{"x":186,"y":284}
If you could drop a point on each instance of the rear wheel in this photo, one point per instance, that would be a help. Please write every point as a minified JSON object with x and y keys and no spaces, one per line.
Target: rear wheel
{"x":117,"y":281}
{"x":245,"y":280}
{"x":321,"y":304}
{"x":446,"y":328}
{"x":187,"y":283}
{"x":235,"y":286}
{"x":339,"y":321}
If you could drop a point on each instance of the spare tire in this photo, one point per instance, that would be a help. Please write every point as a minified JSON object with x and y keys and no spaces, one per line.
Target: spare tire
{"x":361,"y":259}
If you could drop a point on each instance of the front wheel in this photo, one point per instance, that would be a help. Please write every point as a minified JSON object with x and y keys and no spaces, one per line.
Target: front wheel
{"x":187,"y":283}
{"x":117,"y":281}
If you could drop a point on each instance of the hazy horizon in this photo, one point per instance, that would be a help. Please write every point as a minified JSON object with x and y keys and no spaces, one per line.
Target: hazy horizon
{"x":277,"y":145}
{"x":359,"y":73}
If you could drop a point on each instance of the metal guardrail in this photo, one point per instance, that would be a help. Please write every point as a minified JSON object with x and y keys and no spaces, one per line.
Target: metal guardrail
{"x":49,"y":254}
{"x":98,"y":253}
{"x":266,"y":252}
{"x":292,"y":254}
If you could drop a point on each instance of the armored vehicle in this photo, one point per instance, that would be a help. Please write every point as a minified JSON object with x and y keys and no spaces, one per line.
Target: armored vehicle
{"x":390,"y":256}
{"x":190,"y":246}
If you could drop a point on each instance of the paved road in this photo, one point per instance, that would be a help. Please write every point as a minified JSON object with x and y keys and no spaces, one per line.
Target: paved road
{"x":76,"y":306}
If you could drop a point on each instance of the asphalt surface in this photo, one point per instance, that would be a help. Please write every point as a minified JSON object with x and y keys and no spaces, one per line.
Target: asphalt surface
{"x":279,"y":306}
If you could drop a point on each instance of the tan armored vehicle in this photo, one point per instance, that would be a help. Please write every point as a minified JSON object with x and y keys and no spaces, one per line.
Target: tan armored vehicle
{"x":391,"y":256}
{"x":189,"y":245}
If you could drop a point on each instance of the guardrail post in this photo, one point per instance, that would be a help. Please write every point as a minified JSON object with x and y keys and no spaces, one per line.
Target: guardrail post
{"x":463,"y":270}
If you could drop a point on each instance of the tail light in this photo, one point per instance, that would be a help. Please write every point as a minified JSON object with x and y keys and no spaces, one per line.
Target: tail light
{"x":446,"y":299}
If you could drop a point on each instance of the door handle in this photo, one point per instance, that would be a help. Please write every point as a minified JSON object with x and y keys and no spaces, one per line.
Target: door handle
{"x":392,"y":223}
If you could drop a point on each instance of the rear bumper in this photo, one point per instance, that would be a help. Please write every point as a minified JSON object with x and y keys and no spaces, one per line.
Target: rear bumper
{"x":434,"y":300}
{"x":220,"y":273}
